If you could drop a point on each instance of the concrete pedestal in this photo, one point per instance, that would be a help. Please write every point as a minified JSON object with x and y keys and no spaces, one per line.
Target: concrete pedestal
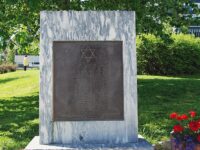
{"x":142,"y":144}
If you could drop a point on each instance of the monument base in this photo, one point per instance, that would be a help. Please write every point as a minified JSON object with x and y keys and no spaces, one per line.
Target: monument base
{"x":141,"y":145}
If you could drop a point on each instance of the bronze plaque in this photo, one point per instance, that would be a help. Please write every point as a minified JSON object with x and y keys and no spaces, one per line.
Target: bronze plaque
{"x":87,"y":80}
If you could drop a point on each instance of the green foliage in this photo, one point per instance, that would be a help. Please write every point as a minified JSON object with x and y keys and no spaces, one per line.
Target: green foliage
{"x":19,"y":21}
{"x":11,"y":56}
{"x":18,"y":26}
{"x":2,"y":59}
{"x":4,"y":68}
{"x":151,"y":15}
{"x":178,"y":57}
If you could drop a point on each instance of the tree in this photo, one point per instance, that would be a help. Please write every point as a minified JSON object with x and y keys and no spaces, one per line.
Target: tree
{"x":152,"y":15}
{"x":19,"y":21}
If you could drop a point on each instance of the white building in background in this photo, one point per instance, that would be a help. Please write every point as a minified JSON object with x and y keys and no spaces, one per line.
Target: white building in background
{"x":33,"y":60}
{"x":195,"y":29}
{"x":198,"y":3}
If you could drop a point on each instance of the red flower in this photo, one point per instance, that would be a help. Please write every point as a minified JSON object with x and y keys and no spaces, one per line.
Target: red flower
{"x":178,"y":128}
{"x":179,"y":118}
{"x":198,"y":121}
{"x":194,"y":126}
{"x":173,"y":115}
{"x":192,"y":113}
{"x":184,"y":117}
{"x":198,"y":138}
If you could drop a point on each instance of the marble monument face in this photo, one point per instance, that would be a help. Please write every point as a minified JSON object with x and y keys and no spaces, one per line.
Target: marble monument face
{"x":87,"y":81}
{"x":85,"y":91}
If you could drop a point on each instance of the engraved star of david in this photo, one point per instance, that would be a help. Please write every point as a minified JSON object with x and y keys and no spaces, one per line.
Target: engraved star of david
{"x":88,"y":54}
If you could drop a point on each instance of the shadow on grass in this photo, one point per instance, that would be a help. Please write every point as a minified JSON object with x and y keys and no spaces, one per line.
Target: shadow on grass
{"x":158,"y":97}
{"x":3,"y":81}
{"x":19,"y":119}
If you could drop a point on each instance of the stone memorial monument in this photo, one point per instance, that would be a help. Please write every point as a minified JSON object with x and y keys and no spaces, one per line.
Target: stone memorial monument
{"x":88,"y":84}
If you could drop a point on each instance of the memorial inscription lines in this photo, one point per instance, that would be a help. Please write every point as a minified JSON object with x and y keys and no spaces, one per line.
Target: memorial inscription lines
{"x":88,"y":81}
{"x":91,"y":72}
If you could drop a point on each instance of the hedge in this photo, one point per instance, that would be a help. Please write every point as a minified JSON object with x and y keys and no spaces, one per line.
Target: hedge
{"x":181,"y":56}
{"x":4,"y":68}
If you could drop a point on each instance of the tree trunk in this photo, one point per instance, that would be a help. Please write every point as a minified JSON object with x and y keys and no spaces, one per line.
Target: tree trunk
{"x":67,"y":4}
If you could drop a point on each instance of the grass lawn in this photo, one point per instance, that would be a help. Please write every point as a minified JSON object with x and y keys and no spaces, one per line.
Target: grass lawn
{"x":158,"y":96}
{"x":18,"y":108}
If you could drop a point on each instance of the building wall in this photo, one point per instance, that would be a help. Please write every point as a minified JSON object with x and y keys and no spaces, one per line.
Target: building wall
{"x":33,"y":60}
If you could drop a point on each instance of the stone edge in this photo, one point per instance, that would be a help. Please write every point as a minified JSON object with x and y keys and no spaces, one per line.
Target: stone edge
{"x":142,"y":144}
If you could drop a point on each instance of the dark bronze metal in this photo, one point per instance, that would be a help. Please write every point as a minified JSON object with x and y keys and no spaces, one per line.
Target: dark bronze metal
{"x":87,"y":80}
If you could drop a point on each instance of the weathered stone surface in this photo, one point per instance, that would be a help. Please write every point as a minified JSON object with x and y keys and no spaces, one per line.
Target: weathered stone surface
{"x":141,"y":145}
{"x":88,"y":26}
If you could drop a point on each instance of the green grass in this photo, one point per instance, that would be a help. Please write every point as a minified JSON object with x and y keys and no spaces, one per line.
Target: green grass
{"x":18,"y":108}
{"x":158,"y":96}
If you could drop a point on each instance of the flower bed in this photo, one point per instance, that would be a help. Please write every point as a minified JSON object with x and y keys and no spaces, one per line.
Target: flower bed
{"x":4,"y":68}
{"x":186,"y":131}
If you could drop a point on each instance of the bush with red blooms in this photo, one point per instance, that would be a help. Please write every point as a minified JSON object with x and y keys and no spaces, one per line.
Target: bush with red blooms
{"x":186,"y":127}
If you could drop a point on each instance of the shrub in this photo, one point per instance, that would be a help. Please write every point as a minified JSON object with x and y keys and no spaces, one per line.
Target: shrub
{"x":4,"y":68}
{"x":179,"y":57}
